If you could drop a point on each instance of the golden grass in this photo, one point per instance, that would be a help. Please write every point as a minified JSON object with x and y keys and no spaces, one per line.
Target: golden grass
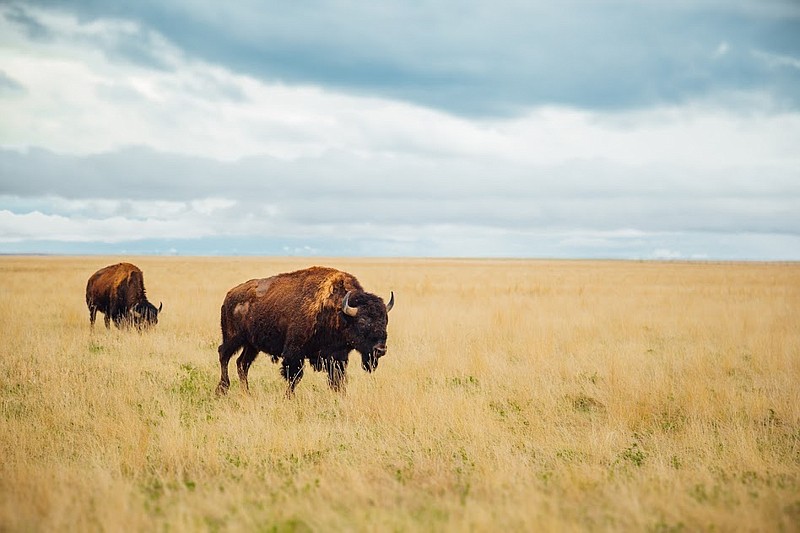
{"x":516,"y":395}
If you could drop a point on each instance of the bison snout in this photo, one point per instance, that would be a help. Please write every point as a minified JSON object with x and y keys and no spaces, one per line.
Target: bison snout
{"x":379,"y":350}
{"x":369,"y":359}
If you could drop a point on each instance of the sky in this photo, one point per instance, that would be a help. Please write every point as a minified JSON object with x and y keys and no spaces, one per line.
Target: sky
{"x":665,"y":129}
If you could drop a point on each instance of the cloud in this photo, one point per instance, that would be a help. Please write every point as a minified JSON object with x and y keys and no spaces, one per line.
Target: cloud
{"x":36,"y":232}
{"x":663,"y":253}
{"x":517,"y":129}
{"x":394,"y":197}
{"x":39,"y":226}
{"x":9,"y":85}
{"x":489,"y":60}
{"x":80,"y":101}
{"x":28,"y":22}
{"x":722,"y":49}
{"x":777,"y":61}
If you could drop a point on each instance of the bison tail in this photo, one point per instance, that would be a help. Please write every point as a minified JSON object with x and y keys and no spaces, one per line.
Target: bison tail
{"x":226,"y":326}
{"x":89,"y":287}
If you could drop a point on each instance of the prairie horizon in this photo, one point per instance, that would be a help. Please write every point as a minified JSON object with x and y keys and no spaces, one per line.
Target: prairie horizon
{"x":518,"y":394}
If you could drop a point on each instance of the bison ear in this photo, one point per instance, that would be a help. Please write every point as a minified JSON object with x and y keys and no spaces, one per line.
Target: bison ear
{"x":346,"y":309}
{"x":160,"y":305}
{"x":391,"y":302}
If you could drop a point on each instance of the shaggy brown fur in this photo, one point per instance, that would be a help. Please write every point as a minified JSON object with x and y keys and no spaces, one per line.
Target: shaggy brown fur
{"x":118,"y":292}
{"x":297,"y":316}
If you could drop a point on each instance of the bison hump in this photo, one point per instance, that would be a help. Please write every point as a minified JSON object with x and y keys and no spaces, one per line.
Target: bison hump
{"x":262,"y":286}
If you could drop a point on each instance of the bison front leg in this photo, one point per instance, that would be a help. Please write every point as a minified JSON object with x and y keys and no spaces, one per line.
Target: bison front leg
{"x":114,"y":314}
{"x":120,"y":318}
{"x":292,"y":371}
{"x":337,"y":368}
{"x":243,"y":364}
{"x":318,"y":362}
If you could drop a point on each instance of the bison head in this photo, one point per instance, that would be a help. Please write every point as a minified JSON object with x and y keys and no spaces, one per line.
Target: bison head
{"x":367,"y":317}
{"x":144,"y":314}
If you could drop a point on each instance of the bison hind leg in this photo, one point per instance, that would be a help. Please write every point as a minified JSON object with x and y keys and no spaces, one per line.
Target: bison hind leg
{"x":243,"y":363}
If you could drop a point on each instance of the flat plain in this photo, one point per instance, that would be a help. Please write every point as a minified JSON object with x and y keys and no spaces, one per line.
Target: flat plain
{"x":515,"y":395}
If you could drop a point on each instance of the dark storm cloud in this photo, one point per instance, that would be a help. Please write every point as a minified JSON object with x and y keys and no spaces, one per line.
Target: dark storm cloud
{"x":481,"y":58}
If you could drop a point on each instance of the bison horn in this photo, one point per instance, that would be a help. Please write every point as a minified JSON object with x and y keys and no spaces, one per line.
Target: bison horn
{"x":346,"y":309}
{"x":391,"y":302}
{"x":160,"y":305}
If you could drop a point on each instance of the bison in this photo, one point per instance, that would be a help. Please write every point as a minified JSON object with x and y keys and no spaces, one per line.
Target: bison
{"x":117,"y":291}
{"x":318,"y":313}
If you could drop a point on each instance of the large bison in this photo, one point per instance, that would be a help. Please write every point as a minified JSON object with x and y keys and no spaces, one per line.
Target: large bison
{"x":319,"y":314}
{"x":117,"y":291}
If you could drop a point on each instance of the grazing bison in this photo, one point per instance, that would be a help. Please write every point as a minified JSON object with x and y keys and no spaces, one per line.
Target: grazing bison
{"x":117,"y":291}
{"x":319,"y":314}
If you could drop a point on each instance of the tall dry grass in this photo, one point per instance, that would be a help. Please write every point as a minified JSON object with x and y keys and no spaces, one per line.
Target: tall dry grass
{"x":522,"y":395}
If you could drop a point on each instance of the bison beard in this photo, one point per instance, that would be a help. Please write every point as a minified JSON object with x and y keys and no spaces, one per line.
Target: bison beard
{"x":118,"y":292}
{"x":319,"y":314}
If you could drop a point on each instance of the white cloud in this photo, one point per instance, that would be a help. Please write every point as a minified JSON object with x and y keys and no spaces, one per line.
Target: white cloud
{"x":81,"y":101}
{"x":40,"y":226}
{"x":777,"y":60}
{"x":209,"y":206}
{"x":663,"y":253}
{"x":120,"y":220}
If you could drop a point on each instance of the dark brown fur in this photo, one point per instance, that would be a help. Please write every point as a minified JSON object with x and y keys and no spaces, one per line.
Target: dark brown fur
{"x":118,"y":292}
{"x":297,"y":316}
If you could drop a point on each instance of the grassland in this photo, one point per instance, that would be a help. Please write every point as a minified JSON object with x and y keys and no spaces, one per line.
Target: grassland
{"x":516,"y":395}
